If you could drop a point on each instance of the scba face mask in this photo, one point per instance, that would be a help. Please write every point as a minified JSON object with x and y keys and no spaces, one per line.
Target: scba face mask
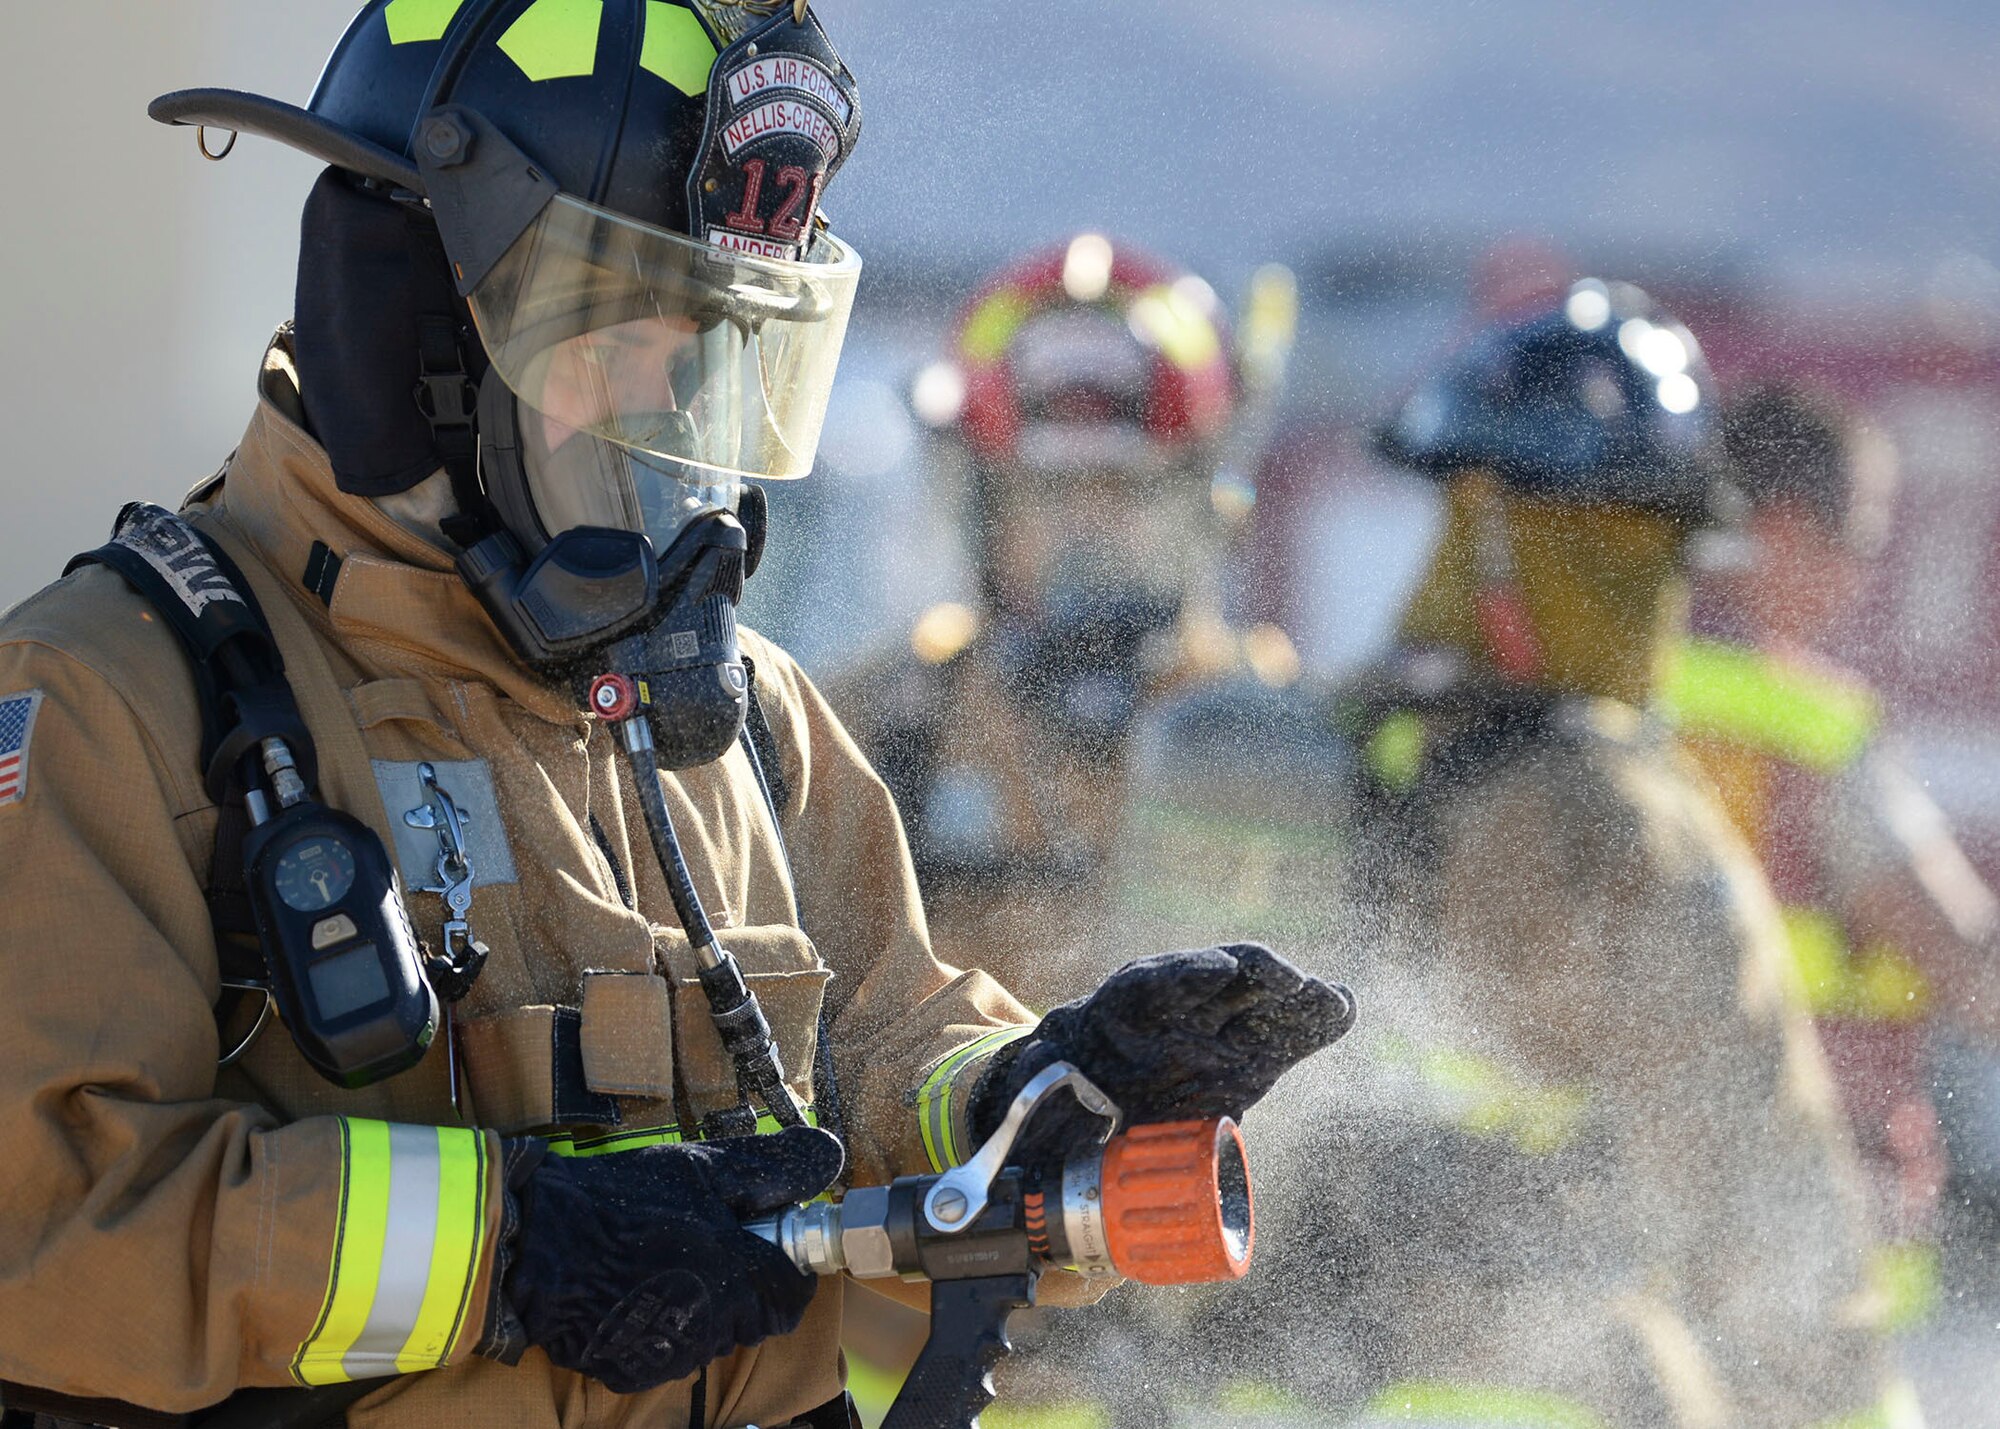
{"x":640,"y":380}
{"x":642,"y":573}
{"x":1090,"y":572}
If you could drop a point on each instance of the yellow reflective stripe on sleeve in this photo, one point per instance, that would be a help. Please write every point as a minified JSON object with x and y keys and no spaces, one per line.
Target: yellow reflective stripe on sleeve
{"x":454,"y":1253}
{"x":934,"y":1097}
{"x":1741,"y":696}
{"x":1483,"y":1405}
{"x":1046,"y":1416}
{"x":407,"y":1245}
{"x":357,"y":1253}
{"x":565,"y":1144}
{"x":612,"y":1145}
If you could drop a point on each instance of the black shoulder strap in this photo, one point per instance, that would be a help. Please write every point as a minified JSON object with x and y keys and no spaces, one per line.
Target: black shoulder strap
{"x":239,"y":677}
{"x":204,"y":599}
{"x":762,"y":746}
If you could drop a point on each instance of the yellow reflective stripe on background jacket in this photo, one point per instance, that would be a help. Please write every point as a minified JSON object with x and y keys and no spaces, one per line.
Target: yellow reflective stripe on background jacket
{"x":1480,"y":1407}
{"x":1730,"y":693}
{"x":412,"y":1209}
{"x":1899,"y":1408}
{"x":1876,"y":985}
{"x":1742,"y":708}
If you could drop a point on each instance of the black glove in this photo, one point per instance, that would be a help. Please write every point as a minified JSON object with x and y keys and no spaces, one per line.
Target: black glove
{"x":633,"y":1268}
{"x":1173,"y":1037}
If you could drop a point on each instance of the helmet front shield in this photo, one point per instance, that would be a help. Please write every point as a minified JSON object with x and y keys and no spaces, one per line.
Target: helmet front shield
{"x":672,"y":347}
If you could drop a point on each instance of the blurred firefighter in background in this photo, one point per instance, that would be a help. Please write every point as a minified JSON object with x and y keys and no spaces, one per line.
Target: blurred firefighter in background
{"x":1104,"y":429}
{"x":1887,"y":920}
{"x":1592,"y":1172}
{"x":1102,"y":416}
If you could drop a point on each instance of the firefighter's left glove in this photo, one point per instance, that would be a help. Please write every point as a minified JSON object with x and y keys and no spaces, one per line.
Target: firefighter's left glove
{"x":633,"y":1268}
{"x":1172,"y":1037}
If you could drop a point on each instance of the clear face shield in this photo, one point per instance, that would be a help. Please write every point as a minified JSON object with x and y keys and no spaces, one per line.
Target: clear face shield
{"x":655,"y":374}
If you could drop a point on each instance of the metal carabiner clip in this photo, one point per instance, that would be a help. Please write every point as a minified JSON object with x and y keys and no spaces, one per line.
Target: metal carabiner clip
{"x":453,"y":971}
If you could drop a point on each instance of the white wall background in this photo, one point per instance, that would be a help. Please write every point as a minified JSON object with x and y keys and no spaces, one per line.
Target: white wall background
{"x":137,"y":282}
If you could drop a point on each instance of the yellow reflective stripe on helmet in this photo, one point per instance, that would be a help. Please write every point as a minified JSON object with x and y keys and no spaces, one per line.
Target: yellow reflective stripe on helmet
{"x":1740,"y":696}
{"x":1434,"y":1402}
{"x":419,"y":21}
{"x":1172,"y":319}
{"x":934,"y":1098}
{"x":566,"y":1144}
{"x":1878,"y":985}
{"x":676,"y":48}
{"x":989,"y":330}
{"x":555,"y":39}
{"x":409,"y":1235}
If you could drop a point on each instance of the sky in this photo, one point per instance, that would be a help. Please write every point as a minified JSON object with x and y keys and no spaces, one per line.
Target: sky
{"x":1839,"y":152}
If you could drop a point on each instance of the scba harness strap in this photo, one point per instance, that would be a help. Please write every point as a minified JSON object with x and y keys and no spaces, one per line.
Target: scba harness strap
{"x":239,"y":678}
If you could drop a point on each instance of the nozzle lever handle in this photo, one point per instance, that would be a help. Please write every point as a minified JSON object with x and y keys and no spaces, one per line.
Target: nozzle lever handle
{"x":961,"y":1193}
{"x":952,"y":1380}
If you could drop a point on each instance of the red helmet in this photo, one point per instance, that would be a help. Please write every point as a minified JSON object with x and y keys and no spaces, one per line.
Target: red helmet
{"x":1089,"y":354}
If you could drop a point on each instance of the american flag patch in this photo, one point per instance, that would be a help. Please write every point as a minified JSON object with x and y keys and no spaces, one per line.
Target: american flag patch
{"x":17,"y":727}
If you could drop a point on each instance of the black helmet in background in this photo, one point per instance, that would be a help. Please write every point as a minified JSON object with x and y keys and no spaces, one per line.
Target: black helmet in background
{"x":1601,"y":399}
{"x":573,"y":254}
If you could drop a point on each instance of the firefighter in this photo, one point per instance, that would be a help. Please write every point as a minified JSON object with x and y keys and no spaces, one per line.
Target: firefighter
{"x":1102,"y":426}
{"x":574,"y":973}
{"x":1887,"y":920}
{"x":1101,"y":420}
{"x":1589,"y":1171}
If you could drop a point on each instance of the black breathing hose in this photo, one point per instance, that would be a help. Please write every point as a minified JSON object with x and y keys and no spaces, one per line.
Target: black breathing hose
{"x":739,"y":1021}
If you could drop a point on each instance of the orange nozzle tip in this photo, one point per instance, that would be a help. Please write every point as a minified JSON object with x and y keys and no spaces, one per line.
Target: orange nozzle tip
{"x":1177,"y":1203}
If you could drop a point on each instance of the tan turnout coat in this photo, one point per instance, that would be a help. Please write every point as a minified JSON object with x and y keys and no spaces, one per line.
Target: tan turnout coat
{"x":168,"y":1234}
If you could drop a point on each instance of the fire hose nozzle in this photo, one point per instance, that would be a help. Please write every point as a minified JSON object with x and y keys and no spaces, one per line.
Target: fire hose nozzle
{"x":1168,"y":1204}
{"x":1177,"y":1203}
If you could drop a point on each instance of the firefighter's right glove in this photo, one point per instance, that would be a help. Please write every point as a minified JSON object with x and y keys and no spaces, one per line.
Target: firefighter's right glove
{"x":1172,"y":1037}
{"x":633,"y":1268}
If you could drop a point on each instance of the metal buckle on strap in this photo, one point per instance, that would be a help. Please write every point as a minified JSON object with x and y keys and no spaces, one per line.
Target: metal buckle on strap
{"x":447,"y":399}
